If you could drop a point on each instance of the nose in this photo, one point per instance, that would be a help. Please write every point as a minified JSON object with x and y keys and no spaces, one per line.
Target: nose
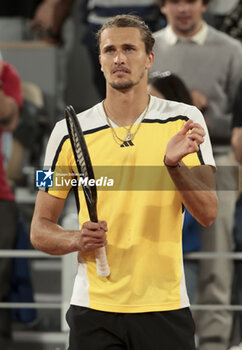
{"x":183,"y":6}
{"x":119,"y":58}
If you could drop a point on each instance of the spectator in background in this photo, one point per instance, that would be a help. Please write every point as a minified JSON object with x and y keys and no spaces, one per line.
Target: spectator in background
{"x":226,"y":16}
{"x":48,"y":24}
{"x":236,"y":141}
{"x":13,"y":16}
{"x":210,"y":64}
{"x":41,"y":20}
{"x":47,"y":18}
{"x":96,"y":12}
{"x":10,"y":104}
{"x":236,"y":138}
{"x":170,"y":87}
{"x":232,"y":23}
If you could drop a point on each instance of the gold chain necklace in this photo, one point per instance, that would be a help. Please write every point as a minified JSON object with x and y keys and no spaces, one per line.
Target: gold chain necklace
{"x":129,"y":136}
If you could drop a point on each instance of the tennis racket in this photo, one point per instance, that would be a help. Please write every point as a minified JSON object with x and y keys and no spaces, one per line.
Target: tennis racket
{"x":84,"y":167}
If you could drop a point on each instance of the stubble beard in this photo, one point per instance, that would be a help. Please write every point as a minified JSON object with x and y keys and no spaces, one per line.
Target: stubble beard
{"x":122,"y":86}
{"x":126,"y":85}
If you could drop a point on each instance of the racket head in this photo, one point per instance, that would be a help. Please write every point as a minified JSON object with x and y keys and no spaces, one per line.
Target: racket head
{"x":82,"y":159}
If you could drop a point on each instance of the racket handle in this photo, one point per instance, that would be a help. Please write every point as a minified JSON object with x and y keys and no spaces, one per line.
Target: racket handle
{"x":103,"y":269}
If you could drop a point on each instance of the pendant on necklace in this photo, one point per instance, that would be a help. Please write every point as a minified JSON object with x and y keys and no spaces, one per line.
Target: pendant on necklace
{"x":129,"y":136}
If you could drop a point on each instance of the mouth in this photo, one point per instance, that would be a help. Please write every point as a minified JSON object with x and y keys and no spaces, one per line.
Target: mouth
{"x":184,"y":20}
{"x":120,"y":71}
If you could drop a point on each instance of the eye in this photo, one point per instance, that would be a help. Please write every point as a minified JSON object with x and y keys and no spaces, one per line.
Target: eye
{"x":109,"y":50}
{"x":129,"y":49}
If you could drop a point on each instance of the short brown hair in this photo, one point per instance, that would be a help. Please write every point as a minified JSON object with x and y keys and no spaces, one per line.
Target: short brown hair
{"x":162,"y":2}
{"x":122,"y":21}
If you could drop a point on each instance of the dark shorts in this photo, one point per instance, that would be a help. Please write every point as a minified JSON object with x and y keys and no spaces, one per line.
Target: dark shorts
{"x":97,"y":330}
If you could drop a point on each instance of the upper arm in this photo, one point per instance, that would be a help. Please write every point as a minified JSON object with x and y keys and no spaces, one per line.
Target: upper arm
{"x":9,"y":114}
{"x":202,"y":201}
{"x":47,"y":207}
{"x":46,"y":234}
{"x":11,"y":99}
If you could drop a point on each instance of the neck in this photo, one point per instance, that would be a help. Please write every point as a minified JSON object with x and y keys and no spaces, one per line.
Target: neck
{"x":190,"y":33}
{"x":124,"y":108}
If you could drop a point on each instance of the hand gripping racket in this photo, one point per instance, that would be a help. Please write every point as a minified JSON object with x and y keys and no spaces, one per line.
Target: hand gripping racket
{"x":84,"y":167}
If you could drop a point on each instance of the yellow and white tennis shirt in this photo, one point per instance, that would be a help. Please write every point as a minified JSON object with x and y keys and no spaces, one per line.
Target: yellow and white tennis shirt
{"x":142,"y":208}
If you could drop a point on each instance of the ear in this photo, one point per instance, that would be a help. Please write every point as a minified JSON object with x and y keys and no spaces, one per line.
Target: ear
{"x":163,"y":10}
{"x":204,"y":8}
{"x":100,"y":61}
{"x":150,"y":60}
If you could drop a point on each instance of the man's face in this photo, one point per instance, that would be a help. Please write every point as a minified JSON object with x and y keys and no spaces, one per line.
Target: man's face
{"x":184,"y":16}
{"x":123,"y":58}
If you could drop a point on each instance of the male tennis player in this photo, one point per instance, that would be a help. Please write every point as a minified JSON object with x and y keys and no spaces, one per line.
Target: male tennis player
{"x":143,"y":304}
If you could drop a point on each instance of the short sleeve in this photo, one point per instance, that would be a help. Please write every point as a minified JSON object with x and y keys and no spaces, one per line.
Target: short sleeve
{"x":59,"y":158}
{"x":205,"y":153}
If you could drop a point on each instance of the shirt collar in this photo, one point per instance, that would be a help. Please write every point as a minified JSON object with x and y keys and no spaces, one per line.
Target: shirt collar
{"x":199,"y":38}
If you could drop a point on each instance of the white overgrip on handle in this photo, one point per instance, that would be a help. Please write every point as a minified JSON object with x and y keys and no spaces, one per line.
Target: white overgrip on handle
{"x":103,"y":269}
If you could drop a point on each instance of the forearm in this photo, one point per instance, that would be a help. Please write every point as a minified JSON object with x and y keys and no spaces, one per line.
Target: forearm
{"x":199,"y":199}
{"x":61,"y":10}
{"x":46,"y":235}
{"x":51,"y":238}
{"x":197,"y":184}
